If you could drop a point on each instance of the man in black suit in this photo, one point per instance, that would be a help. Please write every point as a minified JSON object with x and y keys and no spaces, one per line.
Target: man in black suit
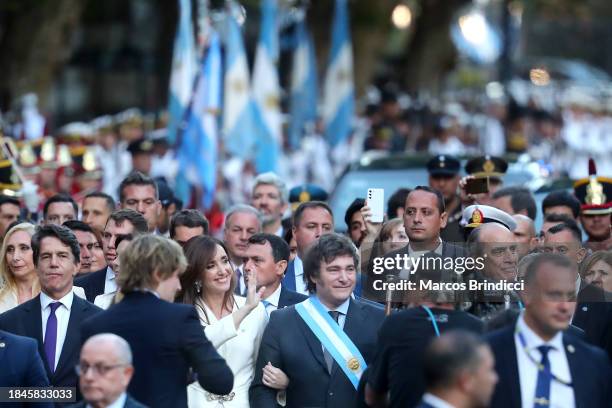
{"x":540,"y":364}
{"x":268,"y":255}
{"x":458,"y":368}
{"x":54,"y":317}
{"x":21,"y":365}
{"x":424,"y":218}
{"x":166,"y":339}
{"x":320,"y":373}
{"x":120,"y":222}
{"x":593,"y":313}
{"x":105,"y":370}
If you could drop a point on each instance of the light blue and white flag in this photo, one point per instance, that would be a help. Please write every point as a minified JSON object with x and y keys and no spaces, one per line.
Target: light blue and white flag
{"x":184,"y":70}
{"x":238,"y":126}
{"x":266,"y":91}
{"x":304,"y":86}
{"x":338,"y":105}
{"x":197,"y":154}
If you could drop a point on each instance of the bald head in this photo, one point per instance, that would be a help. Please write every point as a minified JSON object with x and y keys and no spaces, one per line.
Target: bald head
{"x":525,"y":228}
{"x":105,"y":369}
{"x":494,"y":232}
{"x":111,"y":343}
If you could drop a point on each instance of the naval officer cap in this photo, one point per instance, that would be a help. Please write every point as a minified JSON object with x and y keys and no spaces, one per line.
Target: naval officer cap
{"x":477,"y":215}
{"x":443,"y":165}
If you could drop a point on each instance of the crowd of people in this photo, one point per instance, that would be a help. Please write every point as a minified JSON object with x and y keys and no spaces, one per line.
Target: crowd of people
{"x":139,"y":302}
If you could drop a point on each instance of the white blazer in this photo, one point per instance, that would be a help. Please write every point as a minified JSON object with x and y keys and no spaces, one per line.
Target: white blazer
{"x":238,"y":347}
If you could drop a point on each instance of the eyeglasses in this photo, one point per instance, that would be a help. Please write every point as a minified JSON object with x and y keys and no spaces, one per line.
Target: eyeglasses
{"x":98,"y":369}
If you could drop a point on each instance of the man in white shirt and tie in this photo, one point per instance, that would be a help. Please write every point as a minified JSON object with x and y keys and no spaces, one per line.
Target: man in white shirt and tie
{"x":267,"y":256}
{"x":241,"y":222}
{"x":310,"y":220}
{"x":120,"y":222}
{"x":54,"y":317}
{"x":538,"y":362}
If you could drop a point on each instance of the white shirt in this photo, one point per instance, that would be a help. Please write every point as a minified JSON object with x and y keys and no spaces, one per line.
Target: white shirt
{"x":560,"y":395}
{"x":298,"y":268}
{"x":272,"y":300}
{"x":105,"y":300}
{"x":110,"y":284}
{"x":62,"y":313}
{"x":436,"y":402}
{"x":405,"y":273}
{"x":119,"y":402}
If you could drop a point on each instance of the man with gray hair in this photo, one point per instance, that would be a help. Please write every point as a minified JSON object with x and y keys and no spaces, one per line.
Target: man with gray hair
{"x":241,"y":223}
{"x":270,"y":197}
{"x":105,"y":370}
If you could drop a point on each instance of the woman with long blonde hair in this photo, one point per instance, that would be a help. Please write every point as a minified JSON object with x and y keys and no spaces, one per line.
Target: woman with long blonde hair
{"x":18,"y":279}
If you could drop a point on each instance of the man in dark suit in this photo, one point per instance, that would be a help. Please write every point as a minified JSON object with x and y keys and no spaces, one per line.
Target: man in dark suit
{"x":166,"y":339}
{"x":21,"y":365}
{"x":105,"y":370}
{"x":311,"y":219}
{"x":310,"y":360}
{"x":424,"y":218}
{"x":120,"y":222}
{"x":540,"y":364}
{"x":267,"y":255}
{"x":458,"y":368}
{"x":54,"y":317}
{"x":593,"y":313}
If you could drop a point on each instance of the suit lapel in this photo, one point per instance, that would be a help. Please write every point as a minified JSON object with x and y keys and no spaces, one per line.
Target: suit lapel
{"x":72,"y":340}
{"x":510,"y":363}
{"x":576,"y":366}
{"x":32,"y":321}
{"x":100,"y":283}
{"x":289,"y":279}
{"x":282,"y":298}
{"x":315,"y":345}
{"x":3,"y":346}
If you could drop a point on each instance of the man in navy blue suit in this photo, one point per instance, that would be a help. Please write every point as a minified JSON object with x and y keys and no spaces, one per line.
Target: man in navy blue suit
{"x":458,"y":368}
{"x":54,"y":317}
{"x":167,"y":340}
{"x":324,"y":343}
{"x":268,"y":255}
{"x":310,"y":220}
{"x":21,"y":365}
{"x":540,"y":364}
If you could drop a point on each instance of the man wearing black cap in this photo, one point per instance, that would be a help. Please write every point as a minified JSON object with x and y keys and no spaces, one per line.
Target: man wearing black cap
{"x":141,"y":151}
{"x":491,"y":168}
{"x":444,"y":177}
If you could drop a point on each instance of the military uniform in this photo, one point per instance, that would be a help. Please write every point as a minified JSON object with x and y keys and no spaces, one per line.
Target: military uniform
{"x":595,"y":195}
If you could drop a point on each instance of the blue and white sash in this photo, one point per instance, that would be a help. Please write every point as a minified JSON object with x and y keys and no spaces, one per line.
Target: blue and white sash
{"x":331,"y":336}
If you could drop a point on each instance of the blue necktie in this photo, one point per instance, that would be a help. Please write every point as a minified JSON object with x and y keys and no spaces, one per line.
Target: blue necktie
{"x":51,"y":336}
{"x":542,"y":392}
{"x":266,"y":304}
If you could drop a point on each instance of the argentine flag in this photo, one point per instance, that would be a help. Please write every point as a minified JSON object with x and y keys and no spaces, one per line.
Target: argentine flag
{"x":266,"y":91}
{"x":238,"y":126}
{"x":197,"y":153}
{"x":338,"y":92}
{"x":184,"y":69}
{"x":303,"y":105}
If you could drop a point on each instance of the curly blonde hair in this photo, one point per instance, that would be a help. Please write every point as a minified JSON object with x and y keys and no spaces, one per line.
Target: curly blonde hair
{"x":144,"y":256}
{"x":7,"y":280}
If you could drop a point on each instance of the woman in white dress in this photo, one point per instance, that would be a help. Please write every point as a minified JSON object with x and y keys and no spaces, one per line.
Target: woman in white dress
{"x":233,"y":324}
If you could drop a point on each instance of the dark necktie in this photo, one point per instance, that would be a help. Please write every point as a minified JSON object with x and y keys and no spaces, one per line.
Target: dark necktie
{"x":542,"y":392}
{"x":329,"y":360}
{"x":51,"y":336}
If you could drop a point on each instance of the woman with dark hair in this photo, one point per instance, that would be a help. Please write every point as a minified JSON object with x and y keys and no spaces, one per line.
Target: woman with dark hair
{"x":233,"y":324}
